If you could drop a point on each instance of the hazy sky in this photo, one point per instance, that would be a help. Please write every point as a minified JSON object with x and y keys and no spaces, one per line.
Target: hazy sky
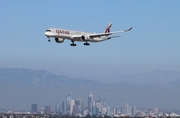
{"x":153,"y":43}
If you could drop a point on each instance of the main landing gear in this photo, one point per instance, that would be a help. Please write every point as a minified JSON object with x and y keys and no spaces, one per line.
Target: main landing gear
{"x":86,"y":44}
{"x":72,"y":44}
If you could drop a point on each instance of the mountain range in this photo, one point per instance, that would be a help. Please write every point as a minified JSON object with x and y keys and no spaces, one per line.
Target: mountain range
{"x":156,"y":77}
{"x":20,"y":87}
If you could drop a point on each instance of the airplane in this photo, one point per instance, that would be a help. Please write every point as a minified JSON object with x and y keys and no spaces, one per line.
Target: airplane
{"x":60,"y":34}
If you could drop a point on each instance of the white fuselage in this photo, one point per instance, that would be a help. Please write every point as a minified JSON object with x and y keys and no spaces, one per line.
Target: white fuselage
{"x":71,"y":35}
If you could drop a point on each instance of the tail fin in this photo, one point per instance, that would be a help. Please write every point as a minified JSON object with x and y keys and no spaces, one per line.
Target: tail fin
{"x":108,"y":28}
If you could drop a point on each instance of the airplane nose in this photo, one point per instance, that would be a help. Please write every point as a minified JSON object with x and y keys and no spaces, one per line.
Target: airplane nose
{"x":46,"y":33}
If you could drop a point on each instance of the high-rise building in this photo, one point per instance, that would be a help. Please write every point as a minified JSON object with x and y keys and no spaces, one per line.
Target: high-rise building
{"x":58,"y":109}
{"x":34,"y":108}
{"x":114,"y":111}
{"x":126,"y":108}
{"x":71,"y":104}
{"x":64,"y":107}
{"x":122,"y":110}
{"x":75,"y":110}
{"x":85,"y":112}
{"x":47,"y":109}
{"x":90,"y":102}
{"x":41,"y":110}
{"x":68,"y":99}
{"x":134,"y":110}
{"x":98,"y":105}
{"x":103,"y":102}
{"x":79,"y":103}
{"x":108,"y":111}
{"x":94,"y":111}
{"x":104,"y":110}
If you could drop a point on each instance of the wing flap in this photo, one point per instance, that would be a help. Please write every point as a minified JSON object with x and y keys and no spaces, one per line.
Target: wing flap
{"x":110,"y":37}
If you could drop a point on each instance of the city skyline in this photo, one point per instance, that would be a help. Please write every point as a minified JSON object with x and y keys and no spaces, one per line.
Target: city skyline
{"x":94,"y":107}
{"x":98,"y":107}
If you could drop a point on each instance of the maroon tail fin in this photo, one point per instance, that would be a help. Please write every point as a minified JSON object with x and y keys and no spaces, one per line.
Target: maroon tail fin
{"x":108,"y":28}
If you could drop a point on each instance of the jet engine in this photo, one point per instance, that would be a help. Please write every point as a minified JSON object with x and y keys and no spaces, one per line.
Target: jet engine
{"x":85,"y":38}
{"x":59,"y":40}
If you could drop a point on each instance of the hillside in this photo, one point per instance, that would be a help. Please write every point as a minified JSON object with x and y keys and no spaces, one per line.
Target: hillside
{"x":20,"y":87}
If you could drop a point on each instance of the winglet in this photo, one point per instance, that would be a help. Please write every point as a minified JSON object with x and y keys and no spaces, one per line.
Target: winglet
{"x":128,"y":29}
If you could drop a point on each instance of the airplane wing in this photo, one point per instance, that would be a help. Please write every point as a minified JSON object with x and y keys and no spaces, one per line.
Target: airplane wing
{"x":101,"y":34}
{"x":107,"y":34}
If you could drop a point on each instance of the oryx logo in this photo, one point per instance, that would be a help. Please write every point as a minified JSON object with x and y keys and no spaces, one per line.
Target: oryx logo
{"x":108,"y":28}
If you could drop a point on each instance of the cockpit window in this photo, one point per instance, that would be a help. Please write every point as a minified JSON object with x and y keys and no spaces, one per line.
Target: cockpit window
{"x":48,"y":30}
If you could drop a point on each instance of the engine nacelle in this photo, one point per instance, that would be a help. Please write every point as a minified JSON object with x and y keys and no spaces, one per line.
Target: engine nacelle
{"x":59,"y":40}
{"x":85,"y":38}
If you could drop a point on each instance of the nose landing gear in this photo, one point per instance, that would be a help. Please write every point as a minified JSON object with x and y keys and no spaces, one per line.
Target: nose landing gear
{"x":48,"y":38}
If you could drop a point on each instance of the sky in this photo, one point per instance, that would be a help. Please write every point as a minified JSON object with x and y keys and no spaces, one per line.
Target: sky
{"x":152,"y":44}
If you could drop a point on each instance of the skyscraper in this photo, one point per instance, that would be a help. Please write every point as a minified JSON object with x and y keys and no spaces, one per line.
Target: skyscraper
{"x":79,"y":103}
{"x":94,"y":111}
{"x":134,"y":110}
{"x":103,"y":102}
{"x":41,"y":110}
{"x":90,"y":102}
{"x":126,"y":108}
{"x":75,"y":109}
{"x":34,"y":108}
{"x":47,"y":109}
{"x":104,"y":111}
{"x":108,"y":111}
{"x":64,"y":107}
{"x":68,"y":99}
{"x":122,"y":110}
{"x":71,"y":104}
{"x":98,"y":105}
{"x":57,"y":109}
